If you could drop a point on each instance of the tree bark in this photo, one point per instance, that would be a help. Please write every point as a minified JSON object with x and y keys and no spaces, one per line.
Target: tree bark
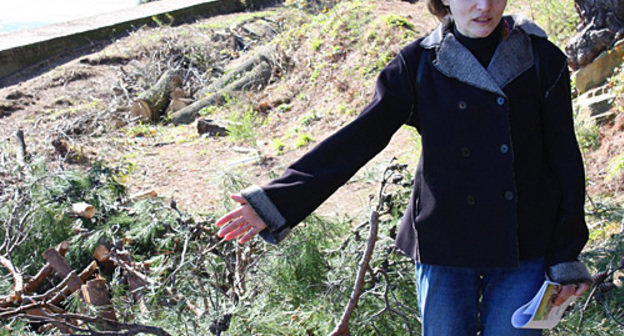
{"x":601,"y":24}
{"x":151,"y":104}
{"x":46,"y":271}
{"x":96,"y":294}
{"x":253,"y":73}
{"x":343,"y":326}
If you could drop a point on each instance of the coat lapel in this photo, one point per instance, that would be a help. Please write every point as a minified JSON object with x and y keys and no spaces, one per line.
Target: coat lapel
{"x":513,"y":56}
{"x":455,"y":61}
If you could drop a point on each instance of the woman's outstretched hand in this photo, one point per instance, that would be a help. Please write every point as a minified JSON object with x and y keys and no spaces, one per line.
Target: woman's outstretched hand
{"x":243,"y":221}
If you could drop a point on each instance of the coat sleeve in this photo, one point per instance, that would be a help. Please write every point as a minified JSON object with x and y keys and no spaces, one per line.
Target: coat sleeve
{"x":308,"y":182}
{"x":564,"y":158}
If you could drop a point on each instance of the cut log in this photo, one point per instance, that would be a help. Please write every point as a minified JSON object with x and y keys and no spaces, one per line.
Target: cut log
{"x":256,"y":78}
{"x":240,"y":69}
{"x":64,"y":289}
{"x":46,"y":271}
{"x":253,"y":73}
{"x":86,"y":273}
{"x":102,"y":255}
{"x":177,"y":104}
{"x":95,"y":293}
{"x":59,"y":264}
{"x":151,"y":104}
{"x":84,"y":210}
{"x":188,"y":114}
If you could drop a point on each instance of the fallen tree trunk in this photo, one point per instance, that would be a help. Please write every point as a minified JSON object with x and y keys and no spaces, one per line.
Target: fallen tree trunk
{"x":151,"y":104}
{"x":258,"y":77}
{"x":84,"y":210}
{"x":253,"y":73}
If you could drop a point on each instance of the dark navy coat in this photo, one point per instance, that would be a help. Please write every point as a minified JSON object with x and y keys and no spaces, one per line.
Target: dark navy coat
{"x":500,"y":177}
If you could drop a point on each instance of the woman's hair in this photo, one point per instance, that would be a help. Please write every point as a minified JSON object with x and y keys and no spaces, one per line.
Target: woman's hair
{"x":437,"y":8}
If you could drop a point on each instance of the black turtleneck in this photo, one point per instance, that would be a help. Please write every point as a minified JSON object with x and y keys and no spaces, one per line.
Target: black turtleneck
{"x":482,"y":48}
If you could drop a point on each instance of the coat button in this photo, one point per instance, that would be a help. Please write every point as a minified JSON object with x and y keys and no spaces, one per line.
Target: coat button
{"x":509,"y":195}
{"x":462,"y":105}
{"x":465,"y":152}
{"x":504,"y":148}
{"x":470,"y":200}
{"x":500,"y":101}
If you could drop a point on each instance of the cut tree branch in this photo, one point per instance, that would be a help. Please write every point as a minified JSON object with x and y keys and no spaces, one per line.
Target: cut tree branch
{"x":18,"y":281}
{"x":343,"y":327}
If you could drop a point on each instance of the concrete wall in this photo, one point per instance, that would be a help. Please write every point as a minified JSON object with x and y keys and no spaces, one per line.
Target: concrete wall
{"x":19,"y":57}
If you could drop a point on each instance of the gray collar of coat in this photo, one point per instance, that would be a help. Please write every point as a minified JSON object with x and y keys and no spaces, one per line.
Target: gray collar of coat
{"x":512,"y":57}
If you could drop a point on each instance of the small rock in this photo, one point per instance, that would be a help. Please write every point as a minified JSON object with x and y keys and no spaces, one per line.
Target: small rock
{"x":210,"y":127}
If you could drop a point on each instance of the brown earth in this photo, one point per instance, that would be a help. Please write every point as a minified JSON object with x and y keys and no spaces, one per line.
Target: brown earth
{"x":85,"y":102}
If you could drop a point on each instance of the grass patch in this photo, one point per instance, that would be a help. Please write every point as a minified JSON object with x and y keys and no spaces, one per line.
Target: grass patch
{"x":304,"y":140}
{"x":557,"y":18}
{"x":243,"y":125}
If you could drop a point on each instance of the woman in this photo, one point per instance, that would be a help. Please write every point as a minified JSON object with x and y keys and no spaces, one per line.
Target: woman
{"x":499,"y":189}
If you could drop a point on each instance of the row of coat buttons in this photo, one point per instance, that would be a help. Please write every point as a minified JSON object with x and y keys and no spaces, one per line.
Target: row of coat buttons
{"x":462,"y":104}
{"x":508,"y":195}
{"x":465,"y":151}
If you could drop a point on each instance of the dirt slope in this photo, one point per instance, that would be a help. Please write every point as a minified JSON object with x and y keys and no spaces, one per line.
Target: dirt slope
{"x":85,"y":104}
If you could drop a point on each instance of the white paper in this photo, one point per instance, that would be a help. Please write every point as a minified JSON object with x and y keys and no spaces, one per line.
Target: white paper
{"x":540,"y":312}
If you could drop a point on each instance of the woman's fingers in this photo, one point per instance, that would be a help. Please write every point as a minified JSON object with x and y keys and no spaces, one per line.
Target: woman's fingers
{"x":581,"y":289}
{"x":249,"y":235}
{"x":237,"y":232}
{"x":229,"y":216}
{"x":564,"y":294}
{"x":243,"y":221}
{"x":235,"y":224}
{"x":238,"y":198}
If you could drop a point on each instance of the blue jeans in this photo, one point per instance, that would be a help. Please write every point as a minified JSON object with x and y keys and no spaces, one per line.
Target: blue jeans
{"x":463,"y":301}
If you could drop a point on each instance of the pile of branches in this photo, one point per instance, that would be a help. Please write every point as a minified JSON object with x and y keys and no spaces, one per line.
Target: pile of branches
{"x":43,"y":308}
{"x":124,"y":257}
{"x":175,"y":78}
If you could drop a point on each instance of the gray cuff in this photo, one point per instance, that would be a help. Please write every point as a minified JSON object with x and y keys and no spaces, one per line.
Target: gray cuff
{"x":569,"y":272}
{"x":276,"y":229}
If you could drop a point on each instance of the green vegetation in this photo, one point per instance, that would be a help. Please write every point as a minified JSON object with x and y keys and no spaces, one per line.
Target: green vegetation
{"x":208,"y":110}
{"x":588,"y":136}
{"x":220,"y":23}
{"x":279,"y":146}
{"x":398,"y":21}
{"x":303,"y":140}
{"x":616,"y":167}
{"x":300,"y":287}
{"x":557,"y":18}
{"x":243,"y":125}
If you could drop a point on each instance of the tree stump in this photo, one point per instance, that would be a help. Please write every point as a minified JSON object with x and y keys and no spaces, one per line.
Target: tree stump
{"x":602,"y":24}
